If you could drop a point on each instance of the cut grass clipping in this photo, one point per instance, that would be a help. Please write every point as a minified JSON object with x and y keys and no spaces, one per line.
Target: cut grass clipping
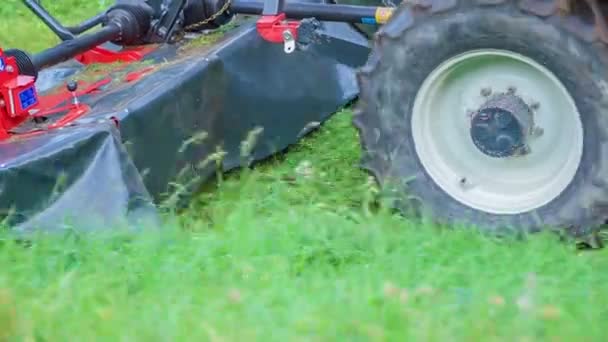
{"x":291,"y":250}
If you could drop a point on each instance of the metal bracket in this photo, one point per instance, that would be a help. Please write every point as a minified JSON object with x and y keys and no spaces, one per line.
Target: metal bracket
{"x":274,"y":27}
{"x":289,"y":43}
{"x":168,"y":20}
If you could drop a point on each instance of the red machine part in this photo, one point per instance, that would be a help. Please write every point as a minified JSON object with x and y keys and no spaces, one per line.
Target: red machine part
{"x":73,"y":110}
{"x":102,"y":55}
{"x":18,"y":95}
{"x":272,"y":27}
{"x":136,"y":75}
{"x":19,"y":99}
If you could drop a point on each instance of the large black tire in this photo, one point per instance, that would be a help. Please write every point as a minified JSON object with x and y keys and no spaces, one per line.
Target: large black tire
{"x":416,"y":40}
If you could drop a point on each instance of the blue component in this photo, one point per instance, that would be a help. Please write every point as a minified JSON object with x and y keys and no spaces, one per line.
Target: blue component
{"x":2,"y":64}
{"x":27,"y":98}
{"x":368,"y":21}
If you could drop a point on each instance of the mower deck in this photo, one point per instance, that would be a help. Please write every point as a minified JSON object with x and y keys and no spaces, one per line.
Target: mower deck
{"x":155,"y":122}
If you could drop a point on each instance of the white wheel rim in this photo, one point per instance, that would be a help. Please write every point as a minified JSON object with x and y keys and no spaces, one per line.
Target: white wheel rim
{"x":440,"y":129}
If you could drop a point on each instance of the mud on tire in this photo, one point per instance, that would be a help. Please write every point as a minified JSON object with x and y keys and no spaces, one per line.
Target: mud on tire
{"x":416,"y":41}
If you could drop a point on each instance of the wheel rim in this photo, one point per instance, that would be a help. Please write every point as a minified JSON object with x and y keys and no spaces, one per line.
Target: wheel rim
{"x":441,"y":120}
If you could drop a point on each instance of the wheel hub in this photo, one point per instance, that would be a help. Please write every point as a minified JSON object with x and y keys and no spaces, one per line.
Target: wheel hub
{"x":501,"y":126}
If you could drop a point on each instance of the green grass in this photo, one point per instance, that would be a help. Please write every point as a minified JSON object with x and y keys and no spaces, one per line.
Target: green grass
{"x":292,"y":251}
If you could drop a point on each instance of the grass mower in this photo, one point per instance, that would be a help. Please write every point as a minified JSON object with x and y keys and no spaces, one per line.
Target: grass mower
{"x":479,"y":112}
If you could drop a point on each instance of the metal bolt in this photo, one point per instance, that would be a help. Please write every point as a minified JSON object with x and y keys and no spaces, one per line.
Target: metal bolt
{"x":511,"y":90}
{"x":535,"y":105}
{"x":525,"y":150}
{"x":486,"y":92}
{"x":287,"y":35}
{"x":466,"y":184}
{"x":463,"y":183}
{"x":538,"y":131}
{"x":10,"y":68}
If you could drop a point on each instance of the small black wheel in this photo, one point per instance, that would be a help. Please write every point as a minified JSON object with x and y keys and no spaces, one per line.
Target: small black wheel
{"x":488,"y":115}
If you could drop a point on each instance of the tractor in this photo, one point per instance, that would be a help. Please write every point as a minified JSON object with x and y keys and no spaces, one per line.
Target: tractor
{"x":486,"y":113}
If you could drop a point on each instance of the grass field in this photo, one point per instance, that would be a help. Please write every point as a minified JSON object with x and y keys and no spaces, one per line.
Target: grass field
{"x":291,"y":251}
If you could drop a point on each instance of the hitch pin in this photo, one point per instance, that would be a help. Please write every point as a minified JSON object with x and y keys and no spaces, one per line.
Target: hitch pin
{"x":72,"y":86}
{"x":289,"y":43}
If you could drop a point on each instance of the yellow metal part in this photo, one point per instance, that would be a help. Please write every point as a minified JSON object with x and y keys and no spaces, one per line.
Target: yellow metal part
{"x":383,"y":14}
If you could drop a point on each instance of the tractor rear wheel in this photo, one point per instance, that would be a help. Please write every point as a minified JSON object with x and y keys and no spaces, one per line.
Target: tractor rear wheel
{"x":485,"y":113}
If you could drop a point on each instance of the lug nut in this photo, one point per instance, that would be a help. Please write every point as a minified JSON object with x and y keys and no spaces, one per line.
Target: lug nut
{"x":466,"y":184}
{"x":535,"y":105}
{"x":486,"y":92}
